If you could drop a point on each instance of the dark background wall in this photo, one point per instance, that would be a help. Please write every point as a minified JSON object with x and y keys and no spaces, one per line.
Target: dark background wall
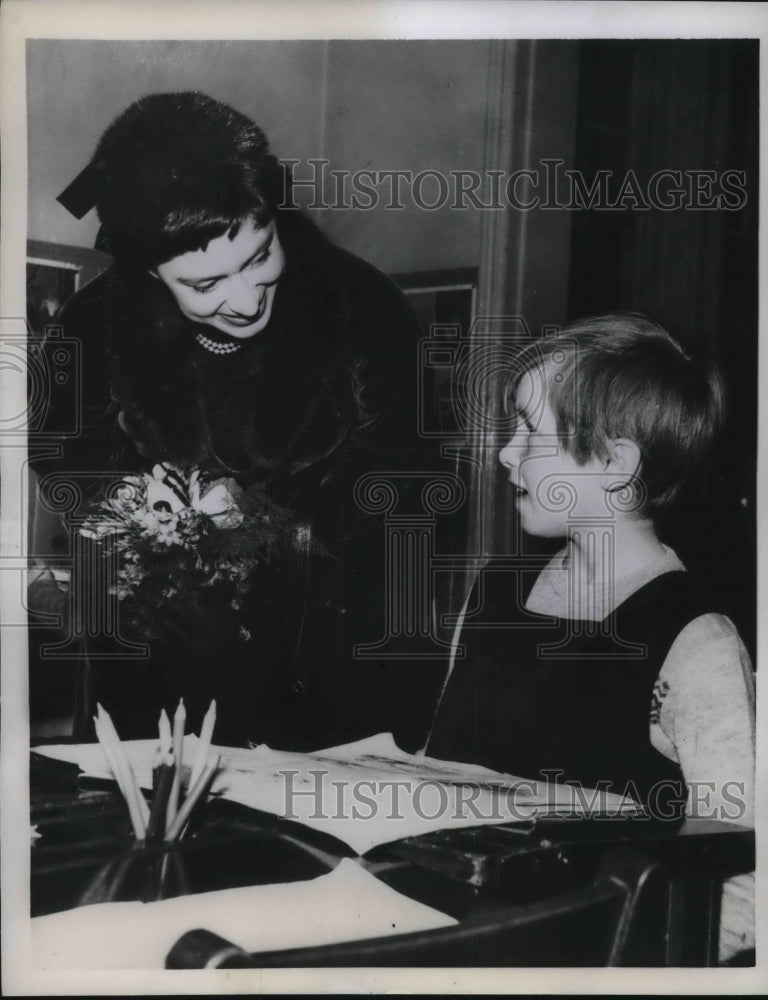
{"x":687,"y":106}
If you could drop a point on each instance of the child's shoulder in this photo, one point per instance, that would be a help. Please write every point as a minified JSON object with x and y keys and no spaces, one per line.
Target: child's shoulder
{"x":557,"y":591}
{"x":709,"y":656}
{"x":550,"y":591}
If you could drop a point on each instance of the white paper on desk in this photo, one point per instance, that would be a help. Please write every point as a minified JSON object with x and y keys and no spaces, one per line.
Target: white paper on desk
{"x":369,"y":792}
{"x":90,"y":758}
{"x":348,"y":904}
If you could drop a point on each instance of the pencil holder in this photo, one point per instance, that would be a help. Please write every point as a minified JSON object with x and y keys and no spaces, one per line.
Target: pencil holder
{"x":141,"y":873}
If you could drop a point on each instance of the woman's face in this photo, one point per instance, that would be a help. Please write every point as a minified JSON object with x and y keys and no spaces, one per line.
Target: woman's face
{"x":230,"y":285}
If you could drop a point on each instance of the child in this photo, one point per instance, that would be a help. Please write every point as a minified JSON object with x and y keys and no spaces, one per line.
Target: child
{"x":617,"y":668}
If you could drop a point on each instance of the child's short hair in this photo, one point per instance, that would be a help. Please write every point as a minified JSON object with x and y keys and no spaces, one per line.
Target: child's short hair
{"x":622,"y":375}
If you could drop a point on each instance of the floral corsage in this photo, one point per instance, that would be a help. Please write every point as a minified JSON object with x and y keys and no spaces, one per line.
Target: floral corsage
{"x":183,"y":547}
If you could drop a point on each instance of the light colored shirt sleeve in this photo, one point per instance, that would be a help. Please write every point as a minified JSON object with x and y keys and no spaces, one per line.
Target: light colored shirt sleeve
{"x":703,"y":716}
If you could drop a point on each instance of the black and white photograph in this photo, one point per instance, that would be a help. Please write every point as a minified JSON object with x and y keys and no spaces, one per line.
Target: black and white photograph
{"x":380,"y":471}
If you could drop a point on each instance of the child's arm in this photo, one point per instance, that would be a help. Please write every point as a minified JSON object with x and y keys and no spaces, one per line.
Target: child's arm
{"x":704,"y":716}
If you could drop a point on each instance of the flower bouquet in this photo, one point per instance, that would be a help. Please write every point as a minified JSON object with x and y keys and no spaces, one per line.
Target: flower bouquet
{"x":182,"y":551}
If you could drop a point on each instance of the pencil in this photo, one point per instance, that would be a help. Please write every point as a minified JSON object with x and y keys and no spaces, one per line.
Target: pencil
{"x":162,"y":779}
{"x":129,"y":778}
{"x":192,"y":799}
{"x":126,"y":779}
{"x":164,"y":726}
{"x":109,"y":754}
{"x":179,"y":718}
{"x":204,"y":744}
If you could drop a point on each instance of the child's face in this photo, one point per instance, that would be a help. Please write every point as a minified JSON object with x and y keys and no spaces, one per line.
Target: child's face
{"x":552,"y":490}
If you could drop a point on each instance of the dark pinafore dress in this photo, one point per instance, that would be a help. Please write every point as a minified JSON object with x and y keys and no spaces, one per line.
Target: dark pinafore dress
{"x":554,"y":699}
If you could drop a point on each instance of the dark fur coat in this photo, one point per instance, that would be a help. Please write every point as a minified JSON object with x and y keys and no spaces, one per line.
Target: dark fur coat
{"x":327,"y":392}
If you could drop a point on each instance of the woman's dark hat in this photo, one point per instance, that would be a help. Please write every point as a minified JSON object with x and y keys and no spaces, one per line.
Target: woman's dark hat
{"x":169,"y":166}
{"x":80,"y":196}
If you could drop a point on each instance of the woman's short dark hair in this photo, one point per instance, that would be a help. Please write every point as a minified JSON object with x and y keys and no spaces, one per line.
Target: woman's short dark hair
{"x":174,"y":171}
{"x":622,"y":375}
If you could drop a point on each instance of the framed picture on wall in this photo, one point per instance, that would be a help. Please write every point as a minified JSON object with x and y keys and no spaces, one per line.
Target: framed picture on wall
{"x":55,"y":271}
{"x":49,"y":284}
{"x":444,"y":302}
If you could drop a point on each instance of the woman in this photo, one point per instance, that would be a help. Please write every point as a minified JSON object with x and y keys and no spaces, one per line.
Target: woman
{"x":230,"y":337}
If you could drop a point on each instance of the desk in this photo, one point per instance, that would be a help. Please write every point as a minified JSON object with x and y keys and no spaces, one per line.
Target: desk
{"x":577,"y":892}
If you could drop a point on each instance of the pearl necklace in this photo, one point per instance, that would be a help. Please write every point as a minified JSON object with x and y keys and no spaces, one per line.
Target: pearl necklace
{"x":216,"y":346}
